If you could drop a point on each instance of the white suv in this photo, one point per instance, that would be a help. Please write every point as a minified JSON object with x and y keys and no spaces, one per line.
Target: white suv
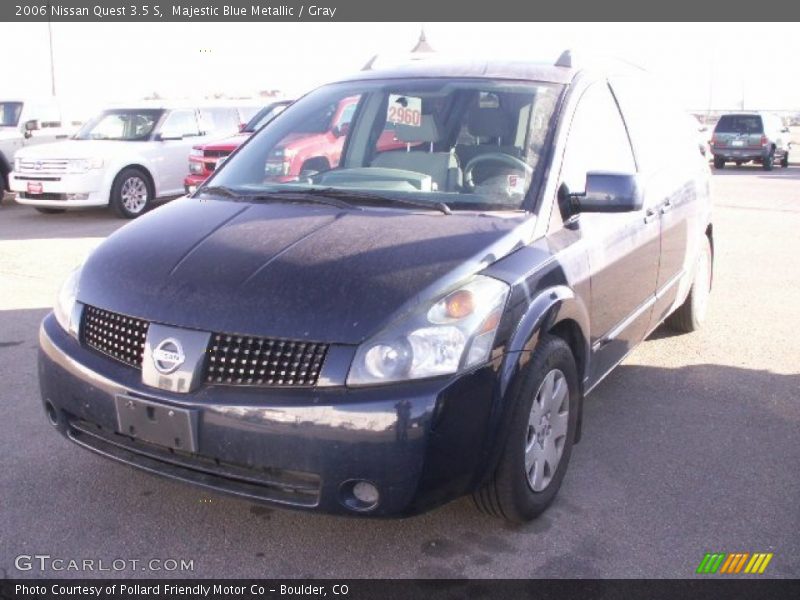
{"x":124,"y":157}
{"x":24,"y":122}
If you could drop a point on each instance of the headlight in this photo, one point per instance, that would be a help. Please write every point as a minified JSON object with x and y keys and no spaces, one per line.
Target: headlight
{"x":82,"y":165}
{"x":195,"y":167}
{"x":65,"y":303}
{"x":196,"y":152}
{"x":454,"y":333}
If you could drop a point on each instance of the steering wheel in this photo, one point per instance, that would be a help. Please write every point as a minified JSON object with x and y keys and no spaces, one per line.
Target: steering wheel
{"x":498,"y":157}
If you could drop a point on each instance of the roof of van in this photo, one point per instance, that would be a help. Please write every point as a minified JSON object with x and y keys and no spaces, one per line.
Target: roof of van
{"x":485,"y":69}
{"x":173,"y":104}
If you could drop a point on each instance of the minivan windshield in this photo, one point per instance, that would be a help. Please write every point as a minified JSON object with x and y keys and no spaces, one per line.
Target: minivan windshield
{"x":264,"y":116}
{"x":469,"y":144}
{"x":121,"y":125}
{"x":743,"y":124}
{"x":10,"y":113}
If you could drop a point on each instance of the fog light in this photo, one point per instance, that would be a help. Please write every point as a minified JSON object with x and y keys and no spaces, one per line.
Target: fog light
{"x":359,"y":495}
{"x":366,"y":492}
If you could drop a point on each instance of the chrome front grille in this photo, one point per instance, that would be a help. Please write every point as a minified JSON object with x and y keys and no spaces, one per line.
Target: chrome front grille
{"x":43,"y":166}
{"x":242,"y":360}
{"x":230,"y":359}
{"x":118,"y":336}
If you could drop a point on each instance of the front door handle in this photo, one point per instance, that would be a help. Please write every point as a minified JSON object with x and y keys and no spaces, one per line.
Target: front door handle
{"x":650,"y":215}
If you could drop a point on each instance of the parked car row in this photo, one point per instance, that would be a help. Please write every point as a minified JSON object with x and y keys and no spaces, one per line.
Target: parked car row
{"x":124,"y":157}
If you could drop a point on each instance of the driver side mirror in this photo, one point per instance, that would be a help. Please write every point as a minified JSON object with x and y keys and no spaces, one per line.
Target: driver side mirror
{"x":166,"y":137}
{"x":605,"y":193}
{"x":30,"y":127}
{"x":341,"y":130}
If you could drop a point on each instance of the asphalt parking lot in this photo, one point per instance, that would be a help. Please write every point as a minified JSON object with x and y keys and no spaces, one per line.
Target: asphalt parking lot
{"x":691,"y":446}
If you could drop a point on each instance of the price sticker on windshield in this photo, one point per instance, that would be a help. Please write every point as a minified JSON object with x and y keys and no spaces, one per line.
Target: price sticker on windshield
{"x":404,"y":110}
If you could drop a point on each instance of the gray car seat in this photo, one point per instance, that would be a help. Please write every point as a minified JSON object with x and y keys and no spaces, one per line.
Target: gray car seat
{"x":441,"y":166}
{"x":489,"y":127}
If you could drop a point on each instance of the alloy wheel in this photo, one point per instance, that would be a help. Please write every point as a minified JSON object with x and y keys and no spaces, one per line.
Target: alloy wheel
{"x":547,"y":430}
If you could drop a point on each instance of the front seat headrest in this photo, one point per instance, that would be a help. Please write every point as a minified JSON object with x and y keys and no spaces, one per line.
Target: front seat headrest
{"x":428,"y":131}
{"x":487,"y":122}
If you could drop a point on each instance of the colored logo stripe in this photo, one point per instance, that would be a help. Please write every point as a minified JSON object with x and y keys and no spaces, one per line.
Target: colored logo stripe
{"x":710,"y":563}
{"x":758,"y":563}
{"x":721,"y":562}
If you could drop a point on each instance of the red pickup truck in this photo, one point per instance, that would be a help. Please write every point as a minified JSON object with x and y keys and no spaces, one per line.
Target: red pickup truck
{"x":317,"y":149}
{"x":203,"y":158}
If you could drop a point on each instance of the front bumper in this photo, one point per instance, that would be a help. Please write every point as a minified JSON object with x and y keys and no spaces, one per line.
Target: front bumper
{"x":192,"y":182}
{"x":421,"y":444}
{"x":56,"y":187}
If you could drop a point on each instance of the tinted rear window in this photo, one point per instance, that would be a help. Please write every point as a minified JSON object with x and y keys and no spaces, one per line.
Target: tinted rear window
{"x":740,"y":124}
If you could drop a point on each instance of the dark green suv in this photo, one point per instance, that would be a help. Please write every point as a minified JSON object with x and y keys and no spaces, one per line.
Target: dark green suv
{"x":758,"y":137}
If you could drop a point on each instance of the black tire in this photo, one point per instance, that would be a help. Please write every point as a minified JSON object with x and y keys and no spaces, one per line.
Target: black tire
{"x":508,"y":493}
{"x":134,"y":185}
{"x":691,"y":315}
{"x":719,"y":162}
{"x":785,"y":160}
{"x":769,"y":161}
{"x":49,"y":211}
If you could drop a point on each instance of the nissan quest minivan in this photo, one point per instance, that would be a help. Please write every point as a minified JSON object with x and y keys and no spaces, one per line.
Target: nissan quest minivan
{"x":404,"y":326}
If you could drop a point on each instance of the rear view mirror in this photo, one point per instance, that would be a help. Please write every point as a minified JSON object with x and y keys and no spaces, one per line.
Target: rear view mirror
{"x":605,"y":193}
{"x":166,"y":137}
{"x":31,"y":125}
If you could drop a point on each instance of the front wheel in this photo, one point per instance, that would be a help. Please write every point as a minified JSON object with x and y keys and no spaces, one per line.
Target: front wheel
{"x":540,"y":437}
{"x":691,"y":315}
{"x":719,"y":162}
{"x":131,"y":193}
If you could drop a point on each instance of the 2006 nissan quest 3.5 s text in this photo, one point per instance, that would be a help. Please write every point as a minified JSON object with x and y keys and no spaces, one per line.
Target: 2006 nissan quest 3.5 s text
{"x":395,"y":328}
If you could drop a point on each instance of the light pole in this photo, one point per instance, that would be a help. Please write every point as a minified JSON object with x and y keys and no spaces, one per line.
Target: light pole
{"x":52,"y":67}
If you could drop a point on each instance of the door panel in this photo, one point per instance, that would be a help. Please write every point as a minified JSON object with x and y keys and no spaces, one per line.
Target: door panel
{"x":171,"y":156}
{"x":623,"y":248}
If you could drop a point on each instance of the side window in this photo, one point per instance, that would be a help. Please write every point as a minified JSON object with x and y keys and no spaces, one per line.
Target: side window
{"x":346,"y":115}
{"x":217,"y":119}
{"x":180,"y":123}
{"x":597,"y":139}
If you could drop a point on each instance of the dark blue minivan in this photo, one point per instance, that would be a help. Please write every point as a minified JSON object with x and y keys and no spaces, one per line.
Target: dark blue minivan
{"x":417,"y":316}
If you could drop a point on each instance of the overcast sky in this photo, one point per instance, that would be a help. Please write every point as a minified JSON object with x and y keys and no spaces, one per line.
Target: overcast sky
{"x":707,"y":64}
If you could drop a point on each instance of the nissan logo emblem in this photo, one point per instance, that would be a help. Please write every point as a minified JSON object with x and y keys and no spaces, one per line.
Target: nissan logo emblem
{"x":168,"y":356}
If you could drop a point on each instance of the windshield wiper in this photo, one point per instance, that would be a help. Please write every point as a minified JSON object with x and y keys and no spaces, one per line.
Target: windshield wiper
{"x":221,"y":190}
{"x":377,"y":198}
{"x":332,"y":196}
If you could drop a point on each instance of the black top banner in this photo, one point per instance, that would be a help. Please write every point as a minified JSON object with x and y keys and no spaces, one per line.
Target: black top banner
{"x":403,"y":10}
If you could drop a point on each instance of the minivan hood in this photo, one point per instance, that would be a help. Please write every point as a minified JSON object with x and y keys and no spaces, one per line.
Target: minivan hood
{"x":293,"y":271}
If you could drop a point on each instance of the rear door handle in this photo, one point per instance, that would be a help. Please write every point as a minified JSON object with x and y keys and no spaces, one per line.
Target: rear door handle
{"x":650,"y":215}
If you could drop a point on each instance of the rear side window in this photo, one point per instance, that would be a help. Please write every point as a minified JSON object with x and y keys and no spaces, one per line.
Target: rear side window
{"x":745,"y":124}
{"x":219,"y":119}
{"x":597,"y":139}
{"x":179,"y":124}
